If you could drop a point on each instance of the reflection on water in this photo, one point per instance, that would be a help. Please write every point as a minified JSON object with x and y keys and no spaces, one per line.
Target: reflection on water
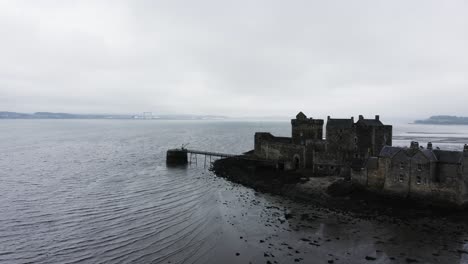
{"x":98,"y":191}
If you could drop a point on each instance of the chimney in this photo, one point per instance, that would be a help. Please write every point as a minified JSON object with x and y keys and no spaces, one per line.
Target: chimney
{"x":328,"y":118}
{"x":377,"y":117}
{"x":352,"y":119}
{"x":465,"y":148}
{"x":414,"y":145}
{"x":361,"y":117}
{"x":429,"y":145}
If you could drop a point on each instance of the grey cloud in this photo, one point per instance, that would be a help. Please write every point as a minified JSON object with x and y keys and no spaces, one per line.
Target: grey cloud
{"x":239,"y":58}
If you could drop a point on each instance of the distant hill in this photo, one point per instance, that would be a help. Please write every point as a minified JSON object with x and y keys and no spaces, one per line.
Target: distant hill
{"x":444,"y":120}
{"x":49,"y":115}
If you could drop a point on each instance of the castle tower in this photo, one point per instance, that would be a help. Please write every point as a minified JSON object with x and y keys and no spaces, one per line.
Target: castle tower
{"x":372,"y":135}
{"x":306,"y":129}
{"x":341,"y":139}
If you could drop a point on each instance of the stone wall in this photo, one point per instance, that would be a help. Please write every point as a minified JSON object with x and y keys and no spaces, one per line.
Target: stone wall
{"x":376,"y":174}
{"x":397,"y":175}
{"x":326,"y":164}
{"x":422,"y":175}
{"x":464,"y":169}
{"x":448,"y":185}
{"x":306,"y":129}
{"x":341,"y":143}
{"x":359,"y":175}
{"x":279,"y":149}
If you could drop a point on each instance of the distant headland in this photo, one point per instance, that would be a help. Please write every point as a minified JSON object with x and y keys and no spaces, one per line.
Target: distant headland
{"x":146,"y":115}
{"x":444,"y":120}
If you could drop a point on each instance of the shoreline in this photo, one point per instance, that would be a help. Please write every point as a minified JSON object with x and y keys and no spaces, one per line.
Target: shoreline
{"x":331,"y":192}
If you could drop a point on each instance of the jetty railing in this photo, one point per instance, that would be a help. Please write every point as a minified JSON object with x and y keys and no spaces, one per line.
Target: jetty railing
{"x":183,"y":156}
{"x":208,"y":155}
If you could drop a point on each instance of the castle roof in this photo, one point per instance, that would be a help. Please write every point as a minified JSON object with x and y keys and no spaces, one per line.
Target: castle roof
{"x":429,"y":153}
{"x":389,"y":151}
{"x":369,"y":122}
{"x":301,"y":115}
{"x":447,"y":156}
{"x":340,"y":123}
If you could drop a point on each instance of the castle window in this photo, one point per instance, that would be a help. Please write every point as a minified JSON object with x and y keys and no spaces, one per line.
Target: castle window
{"x":420,"y":167}
{"x":401,"y":178}
{"x":418,"y":180}
{"x":355,"y":139}
{"x":402,"y":165}
{"x":356,"y":155}
{"x":332,"y":167}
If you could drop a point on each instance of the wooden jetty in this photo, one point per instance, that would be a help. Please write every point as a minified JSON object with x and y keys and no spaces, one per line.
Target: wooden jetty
{"x":183,"y":156}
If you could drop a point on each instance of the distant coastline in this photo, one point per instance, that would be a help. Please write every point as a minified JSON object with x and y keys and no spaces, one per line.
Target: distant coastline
{"x":50,"y":115}
{"x":444,"y":120}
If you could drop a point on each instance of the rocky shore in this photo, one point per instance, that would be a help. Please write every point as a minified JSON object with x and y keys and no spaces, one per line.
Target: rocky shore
{"x":333,"y":192}
{"x":331,"y":220}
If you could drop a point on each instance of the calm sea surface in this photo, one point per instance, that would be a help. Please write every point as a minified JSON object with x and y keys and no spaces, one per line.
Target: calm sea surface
{"x":98,"y":191}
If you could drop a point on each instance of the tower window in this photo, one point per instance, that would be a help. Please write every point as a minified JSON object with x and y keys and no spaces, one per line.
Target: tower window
{"x":418,"y":180}
{"x":419,"y":167}
{"x":401,"y":178}
{"x":402,"y":165}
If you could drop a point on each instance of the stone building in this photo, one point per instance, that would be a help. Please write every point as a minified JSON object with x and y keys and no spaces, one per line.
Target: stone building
{"x":306,"y":130}
{"x":371,"y":137}
{"x":363,"y":151}
{"x":417,"y":172}
{"x":280,"y":149}
{"x":307,"y":149}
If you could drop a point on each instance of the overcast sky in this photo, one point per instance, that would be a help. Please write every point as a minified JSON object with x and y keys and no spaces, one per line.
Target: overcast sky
{"x":236,"y":58}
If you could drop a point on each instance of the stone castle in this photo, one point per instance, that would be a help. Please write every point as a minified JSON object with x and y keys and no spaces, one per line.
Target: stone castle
{"x":362,"y":151}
